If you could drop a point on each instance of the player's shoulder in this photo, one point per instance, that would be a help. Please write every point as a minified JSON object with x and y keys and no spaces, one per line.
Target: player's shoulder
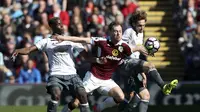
{"x":42,"y":41}
{"x":123,"y":43}
{"x":129,"y":30}
{"x":123,"y":46}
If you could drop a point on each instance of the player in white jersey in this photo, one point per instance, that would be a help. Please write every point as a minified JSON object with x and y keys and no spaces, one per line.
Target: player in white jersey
{"x":134,"y":37}
{"x":62,"y":72}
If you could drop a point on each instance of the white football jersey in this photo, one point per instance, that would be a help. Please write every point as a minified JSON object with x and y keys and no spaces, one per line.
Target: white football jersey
{"x":60,"y":55}
{"x":133,"y":40}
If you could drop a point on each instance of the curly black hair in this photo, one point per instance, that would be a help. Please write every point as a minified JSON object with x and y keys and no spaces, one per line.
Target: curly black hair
{"x":136,"y":16}
{"x":53,"y":21}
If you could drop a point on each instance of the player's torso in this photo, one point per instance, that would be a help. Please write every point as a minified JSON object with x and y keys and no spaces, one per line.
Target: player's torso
{"x":135,"y":39}
{"x":60,"y":57}
{"x":114,"y":55}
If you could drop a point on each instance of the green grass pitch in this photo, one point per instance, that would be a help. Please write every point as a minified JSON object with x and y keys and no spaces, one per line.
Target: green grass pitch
{"x":27,"y":109}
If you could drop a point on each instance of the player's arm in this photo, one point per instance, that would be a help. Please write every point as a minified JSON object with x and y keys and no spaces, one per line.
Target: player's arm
{"x":74,"y":39}
{"x":136,"y":48}
{"x":91,"y":59}
{"x":23,"y":51}
{"x":128,"y":37}
{"x":140,"y":49}
{"x":144,"y":80}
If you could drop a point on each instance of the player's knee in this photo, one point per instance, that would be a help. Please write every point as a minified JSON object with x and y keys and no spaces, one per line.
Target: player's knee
{"x":55,"y":93}
{"x":151,"y":65}
{"x":82,"y":95}
{"x":81,"y":92}
{"x":120,"y":97}
{"x":145,"y":96}
{"x":55,"y":96}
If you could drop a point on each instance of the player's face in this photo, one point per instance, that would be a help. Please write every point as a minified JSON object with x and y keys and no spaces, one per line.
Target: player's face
{"x":140,"y":26}
{"x":58,"y":28}
{"x":116,"y":34}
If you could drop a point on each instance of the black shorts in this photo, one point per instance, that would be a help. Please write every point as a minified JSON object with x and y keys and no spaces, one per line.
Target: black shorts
{"x":134,"y":84}
{"x":131,"y":71}
{"x":65,"y":82}
{"x":132,"y":66}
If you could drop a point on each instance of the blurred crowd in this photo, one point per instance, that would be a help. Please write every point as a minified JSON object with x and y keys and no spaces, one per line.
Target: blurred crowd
{"x":187,"y":18}
{"x":25,"y":22}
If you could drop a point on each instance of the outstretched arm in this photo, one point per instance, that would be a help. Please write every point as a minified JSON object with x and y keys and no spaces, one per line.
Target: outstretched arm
{"x":140,"y":49}
{"x":23,"y":51}
{"x":91,"y":59}
{"x":73,"y":39}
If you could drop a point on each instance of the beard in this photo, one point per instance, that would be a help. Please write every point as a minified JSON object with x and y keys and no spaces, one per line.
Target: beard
{"x":59,"y":31}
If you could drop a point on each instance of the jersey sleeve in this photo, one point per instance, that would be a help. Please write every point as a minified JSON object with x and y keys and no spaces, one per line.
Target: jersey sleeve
{"x":97,"y":40}
{"x":127,"y":49}
{"x":42,"y":44}
{"x":127,"y":36}
{"x":78,"y":46}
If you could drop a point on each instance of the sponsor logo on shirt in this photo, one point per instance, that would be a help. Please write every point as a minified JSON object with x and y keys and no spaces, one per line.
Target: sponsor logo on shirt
{"x":113,"y":58}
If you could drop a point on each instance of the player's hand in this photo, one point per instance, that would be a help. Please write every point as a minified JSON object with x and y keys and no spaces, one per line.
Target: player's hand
{"x":101,"y":60}
{"x":142,"y":50}
{"x":14,"y":55}
{"x":151,"y":54}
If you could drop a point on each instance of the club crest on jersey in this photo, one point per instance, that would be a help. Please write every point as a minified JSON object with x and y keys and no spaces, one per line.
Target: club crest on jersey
{"x":120,"y":48}
{"x":115,"y":52}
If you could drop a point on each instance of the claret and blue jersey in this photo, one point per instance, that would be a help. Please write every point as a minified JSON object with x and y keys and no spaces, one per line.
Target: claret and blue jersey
{"x":114,"y":54}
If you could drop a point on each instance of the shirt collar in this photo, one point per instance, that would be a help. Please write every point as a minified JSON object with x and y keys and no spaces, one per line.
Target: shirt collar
{"x":109,"y":41}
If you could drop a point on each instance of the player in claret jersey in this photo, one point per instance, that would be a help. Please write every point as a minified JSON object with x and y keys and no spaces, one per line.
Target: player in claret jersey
{"x":111,"y":53}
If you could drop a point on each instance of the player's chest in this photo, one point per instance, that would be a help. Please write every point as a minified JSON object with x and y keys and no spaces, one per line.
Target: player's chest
{"x":59,"y":47}
{"x":111,"y":51}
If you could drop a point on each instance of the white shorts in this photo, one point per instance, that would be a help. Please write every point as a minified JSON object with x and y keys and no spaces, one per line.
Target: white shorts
{"x":90,"y":83}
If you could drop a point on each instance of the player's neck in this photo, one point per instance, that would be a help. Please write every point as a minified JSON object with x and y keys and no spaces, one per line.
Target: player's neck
{"x":135,"y":30}
{"x":114,"y":42}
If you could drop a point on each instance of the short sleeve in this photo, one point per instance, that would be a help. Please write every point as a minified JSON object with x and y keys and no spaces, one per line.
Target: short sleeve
{"x":42,"y":44}
{"x":96,"y":40}
{"x":127,"y":49}
{"x":78,"y":46}
{"x":127,"y":35}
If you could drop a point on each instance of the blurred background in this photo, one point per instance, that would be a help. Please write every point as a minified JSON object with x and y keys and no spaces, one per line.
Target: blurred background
{"x":176,"y":23}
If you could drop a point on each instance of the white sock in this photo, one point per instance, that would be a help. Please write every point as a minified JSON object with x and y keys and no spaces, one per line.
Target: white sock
{"x":109,"y":102}
{"x":85,"y":105}
{"x":55,"y":102}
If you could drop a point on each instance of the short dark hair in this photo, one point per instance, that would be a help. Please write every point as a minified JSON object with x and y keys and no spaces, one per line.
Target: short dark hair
{"x":53,"y":21}
{"x":112,"y":25}
{"x":138,"y":15}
